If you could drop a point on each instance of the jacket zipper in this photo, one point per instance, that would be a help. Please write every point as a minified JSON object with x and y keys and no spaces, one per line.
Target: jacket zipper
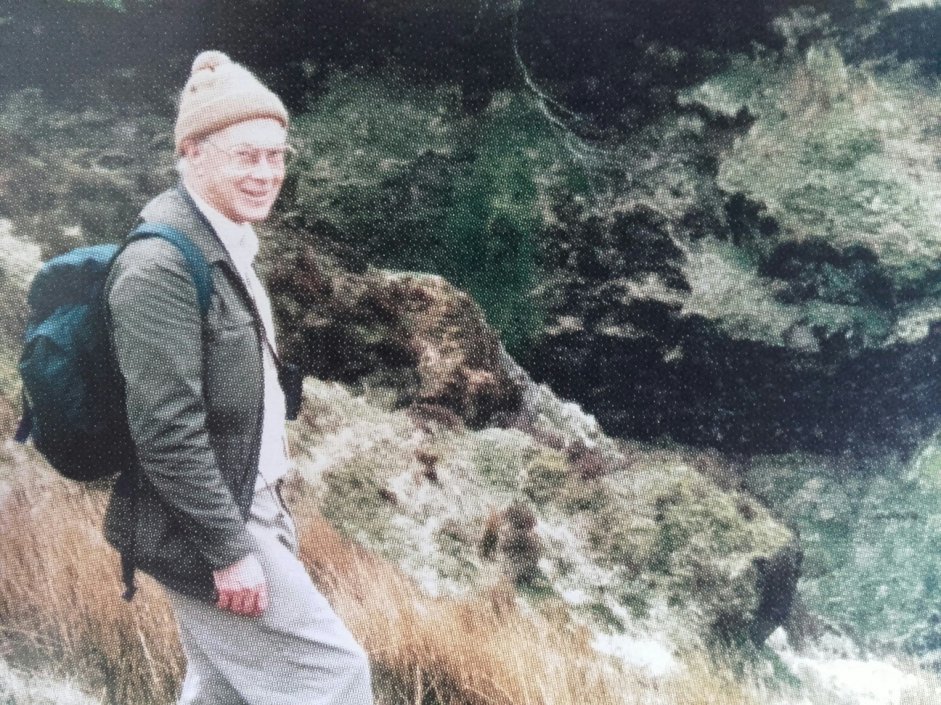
{"x":259,"y":418}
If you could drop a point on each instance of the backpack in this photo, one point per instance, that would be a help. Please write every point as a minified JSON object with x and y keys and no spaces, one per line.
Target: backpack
{"x":73,"y":392}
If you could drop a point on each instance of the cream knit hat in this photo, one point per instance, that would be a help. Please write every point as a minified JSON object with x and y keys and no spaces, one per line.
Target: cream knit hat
{"x":220,"y":93}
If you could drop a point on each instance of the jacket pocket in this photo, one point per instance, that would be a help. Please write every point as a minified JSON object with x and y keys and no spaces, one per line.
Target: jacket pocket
{"x":234,"y":325}
{"x":232,"y":376}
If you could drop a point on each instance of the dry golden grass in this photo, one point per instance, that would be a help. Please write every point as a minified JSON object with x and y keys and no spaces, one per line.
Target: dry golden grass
{"x":60,"y":600}
{"x":60,"y":596}
{"x":478,"y":650}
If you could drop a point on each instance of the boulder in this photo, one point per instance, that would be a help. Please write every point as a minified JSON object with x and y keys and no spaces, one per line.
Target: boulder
{"x":628,"y":544}
{"x":423,"y":440}
{"x":410,"y":333}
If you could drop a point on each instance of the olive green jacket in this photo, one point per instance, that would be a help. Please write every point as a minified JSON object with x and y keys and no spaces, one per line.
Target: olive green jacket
{"x":195,"y":395}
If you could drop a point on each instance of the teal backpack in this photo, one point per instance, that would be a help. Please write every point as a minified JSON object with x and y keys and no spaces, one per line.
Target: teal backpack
{"x":73,"y":392}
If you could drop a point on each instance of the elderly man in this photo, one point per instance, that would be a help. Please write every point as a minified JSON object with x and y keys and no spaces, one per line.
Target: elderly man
{"x":203,"y":513}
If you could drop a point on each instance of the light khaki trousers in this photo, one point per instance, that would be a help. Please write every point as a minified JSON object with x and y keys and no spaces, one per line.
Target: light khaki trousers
{"x":297,"y":653}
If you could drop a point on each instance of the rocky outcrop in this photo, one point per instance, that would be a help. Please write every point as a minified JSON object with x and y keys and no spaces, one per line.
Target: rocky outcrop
{"x":771,"y":282}
{"x":412,"y":334}
{"x":446,"y":458}
{"x":664,"y":338}
{"x":641,"y":544}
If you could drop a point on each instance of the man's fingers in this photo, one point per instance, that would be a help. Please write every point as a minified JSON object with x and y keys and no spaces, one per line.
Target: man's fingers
{"x":243,"y":603}
{"x":253,"y":603}
{"x":225,"y":599}
{"x":260,"y":600}
{"x":248,"y":603}
{"x":242,"y":588}
{"x":230,"y":599}
{"x":256,"y":601}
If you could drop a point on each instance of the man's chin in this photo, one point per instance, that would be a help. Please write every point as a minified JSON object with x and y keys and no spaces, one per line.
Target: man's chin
{"x":256,"y":214}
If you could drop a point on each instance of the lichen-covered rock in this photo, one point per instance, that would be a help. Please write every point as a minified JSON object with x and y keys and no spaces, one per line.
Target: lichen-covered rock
{"x":18,"y":687}
{"x":424,"y":440}
{"x":628,"y":542}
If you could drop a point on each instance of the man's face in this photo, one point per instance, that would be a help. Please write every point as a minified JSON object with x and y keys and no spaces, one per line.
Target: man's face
{"x":237,"y":170}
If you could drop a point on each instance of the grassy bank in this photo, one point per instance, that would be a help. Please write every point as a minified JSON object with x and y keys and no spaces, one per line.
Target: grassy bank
{"x":60,"y":604}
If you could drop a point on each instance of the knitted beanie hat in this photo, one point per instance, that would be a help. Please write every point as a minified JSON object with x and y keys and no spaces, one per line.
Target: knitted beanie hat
{"x":220,"y":93}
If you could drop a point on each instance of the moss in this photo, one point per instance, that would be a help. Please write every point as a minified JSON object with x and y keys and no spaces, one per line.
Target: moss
{"x":493,"y":224}
{"x":550,"y":478}
{"x":671,"y":537}
{"x":564,"y":566}
{"x":460,"y":566}
{"x":836,"y":134}
{"x":453,"y":530}
{"x":401,"y":171}
{"x":605,"y":615}
{"x":622,"y":539}
{"x":672,"y":534}
{"x":500,"y":457}
{"x":683,"y":516}
{"x":354,"y":499}
{"x":546,"y":473}
{"x":635,"y":602}
{"x":538,"y":589}
{"x":583,"y":496}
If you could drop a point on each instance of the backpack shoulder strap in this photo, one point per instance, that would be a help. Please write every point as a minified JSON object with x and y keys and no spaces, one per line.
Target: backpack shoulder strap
{"x":195,"y":261}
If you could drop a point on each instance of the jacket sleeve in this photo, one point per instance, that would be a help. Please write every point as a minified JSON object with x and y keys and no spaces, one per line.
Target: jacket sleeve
{"x":156,"y":330}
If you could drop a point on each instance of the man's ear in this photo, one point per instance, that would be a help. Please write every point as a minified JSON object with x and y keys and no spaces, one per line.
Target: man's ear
{"x":193,"y":152}
{"x":190,"y":148}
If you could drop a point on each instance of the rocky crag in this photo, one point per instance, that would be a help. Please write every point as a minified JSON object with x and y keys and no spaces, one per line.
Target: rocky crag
{"x":424,"y":441}
{"x":770,"y":280}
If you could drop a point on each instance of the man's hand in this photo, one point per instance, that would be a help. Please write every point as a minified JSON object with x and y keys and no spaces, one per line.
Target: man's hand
{"x":242,"y":587}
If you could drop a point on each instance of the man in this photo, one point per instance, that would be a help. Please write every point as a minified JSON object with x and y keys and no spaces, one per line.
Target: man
{"x":207,"y":414}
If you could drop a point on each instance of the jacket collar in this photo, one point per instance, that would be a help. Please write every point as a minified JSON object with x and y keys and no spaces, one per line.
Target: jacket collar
{"x":175,"y":207}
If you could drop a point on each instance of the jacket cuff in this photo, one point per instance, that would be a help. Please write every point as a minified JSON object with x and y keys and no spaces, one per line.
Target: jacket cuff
{"x":226,"y":553}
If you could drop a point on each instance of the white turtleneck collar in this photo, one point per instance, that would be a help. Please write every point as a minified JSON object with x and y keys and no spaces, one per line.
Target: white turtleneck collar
{"x":239,"y":239}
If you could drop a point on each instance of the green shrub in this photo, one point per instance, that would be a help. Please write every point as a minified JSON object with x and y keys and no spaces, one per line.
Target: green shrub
{"x":399,"y":172}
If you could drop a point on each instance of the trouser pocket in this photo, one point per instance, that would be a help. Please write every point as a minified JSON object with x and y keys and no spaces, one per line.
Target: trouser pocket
{"x":278,"y":485}
{"x":287,"y":519}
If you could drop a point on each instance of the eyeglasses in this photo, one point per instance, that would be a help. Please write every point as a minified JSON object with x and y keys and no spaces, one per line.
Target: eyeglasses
{"x":247,"y":156}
